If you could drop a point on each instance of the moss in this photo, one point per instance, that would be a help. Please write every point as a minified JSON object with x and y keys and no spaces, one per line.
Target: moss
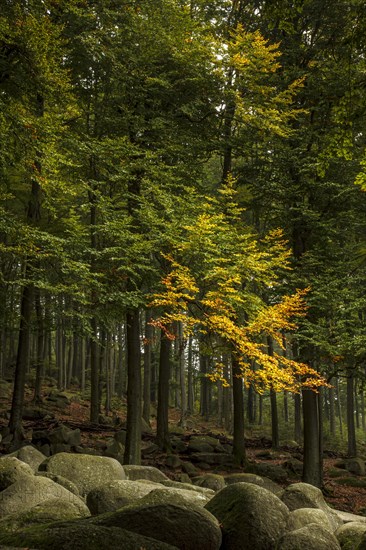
{"x":351,"y":481}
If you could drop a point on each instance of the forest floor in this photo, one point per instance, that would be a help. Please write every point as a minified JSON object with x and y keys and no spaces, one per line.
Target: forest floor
{"x":347,"y":492}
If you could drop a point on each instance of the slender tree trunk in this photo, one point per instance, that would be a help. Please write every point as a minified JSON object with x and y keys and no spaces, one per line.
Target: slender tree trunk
{"x":204,"y":395}
{"x":297,"y":419}
{"x":15,"y":422}
{"x":313,"y":463}
{"x":332,"y":419}
{"x":182,"y":377}
{"x":147,"y":366}
{"x":94,"y":373}
{"x":162,"y":429}
{"x":351,"y":430}
{"x":339,"y":407}
{"x":134,"y":413}
{"x":190,"y":408}
{"x":37,"y":397}
{"x":238,"y":418}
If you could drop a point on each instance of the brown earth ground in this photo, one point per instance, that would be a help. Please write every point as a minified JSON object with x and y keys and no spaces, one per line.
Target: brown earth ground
{"x":350,"y":497}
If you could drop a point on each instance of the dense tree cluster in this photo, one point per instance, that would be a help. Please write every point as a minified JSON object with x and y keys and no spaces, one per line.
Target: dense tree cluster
{"x":183,"y":209}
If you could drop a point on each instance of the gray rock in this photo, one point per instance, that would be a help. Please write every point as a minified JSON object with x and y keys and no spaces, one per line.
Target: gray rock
{"x":189,"y":527}
{"x":173,"y":495}
{"x":274,"y":472}
{"x":304,"y":516}
{"x":85,"y":471}
{"x":356,"y":466}
{"x":188,"y":487}
{"x":69,"y":485}
{"x":30,"y":491}
{"x":250,"y":516}
{"x":346,"y":517}
{"x":350,"y":534}
{"x":12,"y":470}
{"x":82,"y":536}
{"x":135,"y":473}
{"x":173,"y":461}
{"x":116,"y":494}
{"x":189,"y":468}
{"x":215,"y":459}
{"x":309,"y":537}
{"x":257,"y":480}
{"x":30,"y":455}
{"x":303,"y":495}
{"x":44,"y":512}
{"x":115,"y":449}
{"x":215,"y":482}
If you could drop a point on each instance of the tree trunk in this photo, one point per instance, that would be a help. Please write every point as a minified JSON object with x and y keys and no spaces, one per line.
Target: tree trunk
{"x":133,"y":423}
{"x":94,"y":373}
{"x":351,"y":430}
{"x":274,"y":408}
{"x":37,"y":397}
{"x":313,"y":463}
{"x":190,"y":408}
{"x":238,"y":416}
{"x":332,"y":419}
{"x":147,"y":366}
{"x":297,"y":419}
{"x":182,"y":377}
{"x":162,"y":428}
{"x":15,"y":422}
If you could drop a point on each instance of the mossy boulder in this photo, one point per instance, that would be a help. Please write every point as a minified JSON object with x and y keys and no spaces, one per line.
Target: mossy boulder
{"x":188,"y":526}
{"x":304,"y":495}
{"x":116,"y":494}
{"x":30,"y":491}
{"x":46,"y":512}
{"x":257,"y":480}
{"x":30,"y":455}
{"x":350,"y":535}
{"x":82,"y":536}
{"x":135,"y":473}
{"x":85,"y":471}
{"x":304,"y":516}
{"x":309,"y":537}
{"x":12,"y":470}
{"x":176,"y":495}
{"x":215,"y":482}
{"x":250,"y":516}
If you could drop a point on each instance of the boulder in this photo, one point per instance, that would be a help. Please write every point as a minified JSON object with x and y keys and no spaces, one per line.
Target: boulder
{"x":189,"y":468}
{"x":45,"y":512}
{"x":187,"y":526}
{"x":189,"y":487}
{"x":275,"y":472}
{"x":309,"y":537}
{"x":257,"y":480}
{"x":30,"y":455}
{"x":12,"y":470}
{"x":356,"y":466}
{"x":362,"y":543}
{"x":304,"y":495}
{"x":350,"y":534}
{"x":215,"y":482}
{"x":150,"y":473}
{"x":30,"y":491}
{"x":115,"y":449}
{"x":116,"y":494}
{"x":250,"y":516}
{"x":213,"y":459}
{"x":58,"y":439}
{"x":303,"y":516}
{"x":82,"y":536}
{"x":174,"y":495}
{"x":85,"y":471}
{"x":69,"y":485}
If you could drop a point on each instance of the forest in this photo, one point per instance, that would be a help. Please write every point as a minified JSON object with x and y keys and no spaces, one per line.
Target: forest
{"x":183,"y":215}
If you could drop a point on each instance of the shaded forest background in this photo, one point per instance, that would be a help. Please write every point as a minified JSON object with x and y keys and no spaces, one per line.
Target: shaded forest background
{"x":182,"y":211}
